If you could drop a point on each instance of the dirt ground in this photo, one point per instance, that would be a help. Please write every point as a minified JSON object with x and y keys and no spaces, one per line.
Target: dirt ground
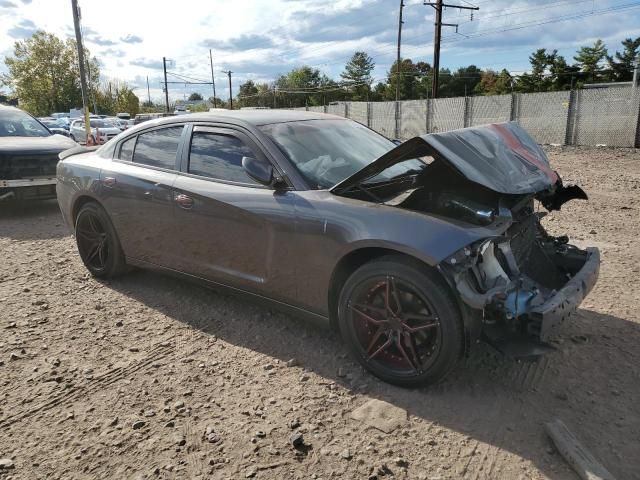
{"x":152,"y":377}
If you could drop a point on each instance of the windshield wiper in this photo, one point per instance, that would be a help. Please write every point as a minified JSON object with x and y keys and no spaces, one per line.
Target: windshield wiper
{"x":376,"y":198}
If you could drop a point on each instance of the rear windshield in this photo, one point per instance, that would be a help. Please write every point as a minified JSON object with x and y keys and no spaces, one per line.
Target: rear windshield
{"x":16,"y":123}
{"x":100,"y":124}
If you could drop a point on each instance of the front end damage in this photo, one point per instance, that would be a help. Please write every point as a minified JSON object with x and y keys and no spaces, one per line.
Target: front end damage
{"x":516,"y":282}
{"x":522,"y":284}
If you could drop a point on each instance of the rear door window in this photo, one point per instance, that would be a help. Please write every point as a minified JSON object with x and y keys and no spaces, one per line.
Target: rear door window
{"x":219,"y":156}
{"x":126,"y":149}
{"x":158,"y":148}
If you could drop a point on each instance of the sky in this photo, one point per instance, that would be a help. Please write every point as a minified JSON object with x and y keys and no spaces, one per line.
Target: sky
{"x":260,"y":39}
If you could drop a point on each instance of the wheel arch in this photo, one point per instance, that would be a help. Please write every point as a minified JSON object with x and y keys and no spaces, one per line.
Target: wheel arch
{"x":349,"y":263}
{"x":80,"y":202}
{"x":353,"y":260}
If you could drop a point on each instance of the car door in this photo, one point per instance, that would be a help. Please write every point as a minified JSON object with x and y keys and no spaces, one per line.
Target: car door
{"x":77,"y":130}
{"x":138,"y":193}
{"x":232,"y":229}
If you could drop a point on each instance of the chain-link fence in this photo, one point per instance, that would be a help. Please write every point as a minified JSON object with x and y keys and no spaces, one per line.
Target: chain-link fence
{"x":602,"y":116}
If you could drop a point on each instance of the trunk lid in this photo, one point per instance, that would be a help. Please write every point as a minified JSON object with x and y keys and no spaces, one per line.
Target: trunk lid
{"x":500,"y":156}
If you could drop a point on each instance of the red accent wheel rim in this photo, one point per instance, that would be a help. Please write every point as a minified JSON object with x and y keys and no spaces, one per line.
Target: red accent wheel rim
{"x":396,"y":327}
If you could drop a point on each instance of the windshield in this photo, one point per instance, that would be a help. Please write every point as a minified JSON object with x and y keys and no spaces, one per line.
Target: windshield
{"x":326,"y":152}
{"x":51,"y":122}
{"x":16,"y":123}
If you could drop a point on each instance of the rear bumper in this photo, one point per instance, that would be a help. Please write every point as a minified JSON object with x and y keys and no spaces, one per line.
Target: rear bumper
{"x":566,"y":301}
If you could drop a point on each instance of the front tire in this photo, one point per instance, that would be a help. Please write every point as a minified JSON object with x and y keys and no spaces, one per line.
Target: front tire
{"x":400,"y":321}
{"x":98,"y":242}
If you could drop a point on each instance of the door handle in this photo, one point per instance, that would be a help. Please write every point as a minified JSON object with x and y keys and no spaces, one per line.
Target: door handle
{"x":184,"y":201}
{"x":108,"y":181}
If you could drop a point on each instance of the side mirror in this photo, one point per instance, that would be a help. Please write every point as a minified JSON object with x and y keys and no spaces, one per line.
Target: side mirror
{"x":260,"y":170}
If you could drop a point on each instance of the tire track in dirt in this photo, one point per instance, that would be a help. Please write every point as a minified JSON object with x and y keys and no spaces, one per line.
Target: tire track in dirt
{"x":159,"y":351}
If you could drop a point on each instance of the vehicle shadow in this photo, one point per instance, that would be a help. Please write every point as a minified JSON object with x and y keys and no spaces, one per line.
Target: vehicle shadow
{"x":590,"y":382}
{"x":32,"y":220}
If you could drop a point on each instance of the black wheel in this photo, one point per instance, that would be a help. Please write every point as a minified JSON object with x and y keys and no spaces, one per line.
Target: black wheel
{"x":400,"y":322}
{"x":98,"y":243}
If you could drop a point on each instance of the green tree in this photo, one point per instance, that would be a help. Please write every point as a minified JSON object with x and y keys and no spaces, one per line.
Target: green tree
{"x":460,"y":83}
{"x":248,"y":94}
{"x":219,"y":103}
{"x":195,"y":96}
{"x":357,"y":76}
{"x":562,"y":74}
{"x":589,"y":59}
{"x":378,"y":93}
{"x":43,"y":74}
{"x":494,"y":83}
{"x":306,"y":86}
{"x":622,"y":65}
{"x":116,"y":96}
{"x":411,"y":79}
{"x":538,"y":79}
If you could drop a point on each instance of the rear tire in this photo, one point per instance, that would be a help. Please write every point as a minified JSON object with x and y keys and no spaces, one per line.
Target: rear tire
{"x":400,"y":321}
{"x":98,"y":242}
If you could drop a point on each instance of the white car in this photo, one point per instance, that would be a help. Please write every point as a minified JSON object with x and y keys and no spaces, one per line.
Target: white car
{"x":102,"y":131}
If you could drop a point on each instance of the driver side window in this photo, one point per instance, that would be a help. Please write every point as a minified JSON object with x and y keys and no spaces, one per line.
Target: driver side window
{"x":219,"y":156}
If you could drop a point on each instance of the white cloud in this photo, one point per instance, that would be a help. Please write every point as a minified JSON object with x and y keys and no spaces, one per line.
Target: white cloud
{"x":260,"y":38}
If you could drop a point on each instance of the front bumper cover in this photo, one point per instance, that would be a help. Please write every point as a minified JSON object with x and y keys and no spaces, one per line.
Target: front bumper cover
{"x":566,"y":300}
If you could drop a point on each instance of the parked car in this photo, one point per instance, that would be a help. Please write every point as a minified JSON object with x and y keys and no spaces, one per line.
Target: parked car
{"x":28,"y":156}
{"x":101,"y":130}
{"x":143,"y":117}
{"x":114,"y":122}
{"x":414,"y":252}
{"x":55,"y":125}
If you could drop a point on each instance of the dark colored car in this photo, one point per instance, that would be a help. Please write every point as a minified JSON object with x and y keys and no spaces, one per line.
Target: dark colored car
{"x":28,"y":156}
{"x":55,"y":126}
{"x":414,"y":251}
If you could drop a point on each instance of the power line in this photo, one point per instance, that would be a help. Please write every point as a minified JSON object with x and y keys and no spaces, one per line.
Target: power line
{"x":538,"y":23}
{"x":385,"y":48}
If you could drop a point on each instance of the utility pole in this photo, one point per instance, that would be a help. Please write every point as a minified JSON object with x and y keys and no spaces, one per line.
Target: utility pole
{"x":148,"y":92}
{"x":229,"y":72}
{"x":81,"y":65}
{"x":438,"y":6}
{"x":400,"y":22}
{"x":213,"y":82}
{"x":92,"y":98}
{"x":636,"y":73}
{"x":166,"y":90}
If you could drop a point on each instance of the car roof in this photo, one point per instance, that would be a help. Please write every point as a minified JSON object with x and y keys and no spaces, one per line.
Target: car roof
{"x":251,"y":117}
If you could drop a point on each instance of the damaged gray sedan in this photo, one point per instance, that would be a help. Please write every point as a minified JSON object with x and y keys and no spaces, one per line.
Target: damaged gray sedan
{"x":414,"y":252}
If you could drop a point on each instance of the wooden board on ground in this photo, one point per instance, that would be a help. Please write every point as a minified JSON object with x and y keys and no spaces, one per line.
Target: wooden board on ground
{"x":585,"y":464}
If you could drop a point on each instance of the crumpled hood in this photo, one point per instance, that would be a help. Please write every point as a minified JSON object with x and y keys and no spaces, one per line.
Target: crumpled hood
{"x":500,"y":156}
